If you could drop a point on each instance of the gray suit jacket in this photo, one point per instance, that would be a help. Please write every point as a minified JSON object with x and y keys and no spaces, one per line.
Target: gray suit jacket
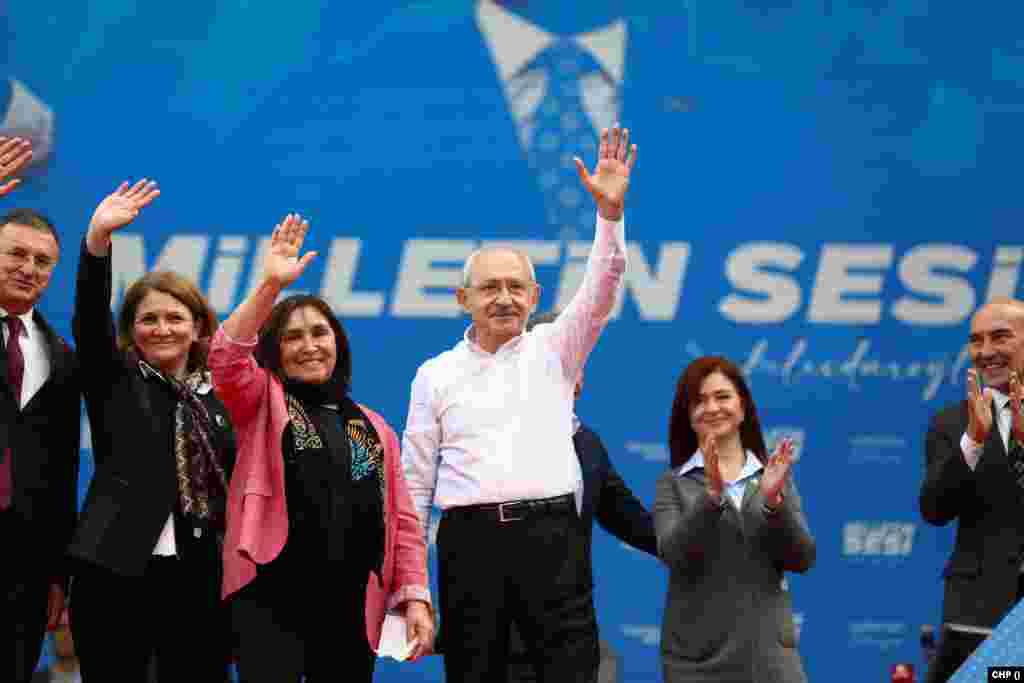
{"x":728,"y":616}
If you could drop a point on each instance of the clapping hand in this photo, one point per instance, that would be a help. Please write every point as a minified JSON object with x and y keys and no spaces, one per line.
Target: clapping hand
{"x":1016,"y":398}
{"x":713,"y":480}
{"x":610,"y":179}
{"x":979,"y":404}
{"x":776,"y":470}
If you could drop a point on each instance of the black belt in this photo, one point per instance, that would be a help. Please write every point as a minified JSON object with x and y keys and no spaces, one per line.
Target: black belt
{"x":515,"y":510}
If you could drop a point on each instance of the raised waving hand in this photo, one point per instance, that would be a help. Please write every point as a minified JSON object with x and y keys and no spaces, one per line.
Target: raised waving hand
{"x":117,"y":210}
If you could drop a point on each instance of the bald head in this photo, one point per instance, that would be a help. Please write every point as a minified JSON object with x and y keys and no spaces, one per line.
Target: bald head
{"x":996,"y":341}
{"x":1013,"y":308}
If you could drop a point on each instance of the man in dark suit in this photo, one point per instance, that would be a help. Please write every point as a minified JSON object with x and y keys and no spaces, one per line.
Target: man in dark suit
{"x":974,"y":474}
{"x":39,"y":445}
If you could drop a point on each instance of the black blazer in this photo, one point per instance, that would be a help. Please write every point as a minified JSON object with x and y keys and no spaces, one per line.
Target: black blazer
{"x":135,"y":486}
{"x":44,"y":438}
{"x":981,"y":574}
{"x":606,"y":496}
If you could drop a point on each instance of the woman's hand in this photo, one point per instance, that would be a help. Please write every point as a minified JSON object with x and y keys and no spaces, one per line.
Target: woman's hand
{"x":775,"y":472}
{"x":116,"y":211}
{"x":713,"y":480}
{"x":419,"y":621}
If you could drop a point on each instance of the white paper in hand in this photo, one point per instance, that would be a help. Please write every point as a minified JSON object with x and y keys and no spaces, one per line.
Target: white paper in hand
{"x":393,"y":640}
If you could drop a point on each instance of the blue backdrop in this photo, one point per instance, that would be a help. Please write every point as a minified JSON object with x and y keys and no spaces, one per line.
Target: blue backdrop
{"x":825,"y":191}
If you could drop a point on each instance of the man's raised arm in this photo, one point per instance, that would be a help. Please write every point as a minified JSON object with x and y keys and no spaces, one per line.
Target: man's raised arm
{"x":577,"y":328}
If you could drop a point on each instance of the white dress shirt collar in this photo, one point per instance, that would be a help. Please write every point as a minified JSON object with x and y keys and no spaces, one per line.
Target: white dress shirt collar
{"x":751,"y":465}
{"x":28,"y":322}
{"x":469,"y":337}
{"x":1001,"y":399}
{"x":520,"y":41}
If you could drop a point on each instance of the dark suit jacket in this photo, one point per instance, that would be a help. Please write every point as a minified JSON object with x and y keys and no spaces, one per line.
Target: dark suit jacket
{"x":607,"y":498}
{"x":728,"y":616}
{"x":981,"y":574}
{"x":134,"y":488}
{"x":44,"y":441}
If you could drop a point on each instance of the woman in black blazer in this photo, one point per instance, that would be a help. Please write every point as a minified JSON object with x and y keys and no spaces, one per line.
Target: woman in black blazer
{"x":147,"y":547}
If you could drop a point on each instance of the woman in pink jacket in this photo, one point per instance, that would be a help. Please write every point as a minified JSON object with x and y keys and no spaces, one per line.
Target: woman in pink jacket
{"x":319,"y":520}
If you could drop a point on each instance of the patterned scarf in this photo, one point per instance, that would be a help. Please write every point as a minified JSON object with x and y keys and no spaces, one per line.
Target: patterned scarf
{"x":367,"y":452}
{"x":365,"y":449}
{"x":202,"y":481}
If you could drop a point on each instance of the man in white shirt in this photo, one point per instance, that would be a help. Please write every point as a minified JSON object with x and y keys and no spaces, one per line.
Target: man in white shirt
{"x":39,"y":444}
{"x":489,"y":441}
{"x":975,"y":474}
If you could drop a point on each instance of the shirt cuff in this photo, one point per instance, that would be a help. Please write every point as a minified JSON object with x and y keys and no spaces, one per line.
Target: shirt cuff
{"x":615,"y":231}
{"x":971,"y":450}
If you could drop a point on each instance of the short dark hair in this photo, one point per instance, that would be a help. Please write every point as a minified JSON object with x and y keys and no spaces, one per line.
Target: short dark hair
{"x":268,"y":348}
{"x":32,"y":219}
{"x":682,"y":439}
{"x":542,"y":319}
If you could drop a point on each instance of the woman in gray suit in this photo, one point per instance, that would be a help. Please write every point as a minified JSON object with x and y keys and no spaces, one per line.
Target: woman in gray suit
{"x":729,"y":525}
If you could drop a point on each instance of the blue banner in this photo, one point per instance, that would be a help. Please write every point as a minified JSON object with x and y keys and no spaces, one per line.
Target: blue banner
{"x":825,"y":191}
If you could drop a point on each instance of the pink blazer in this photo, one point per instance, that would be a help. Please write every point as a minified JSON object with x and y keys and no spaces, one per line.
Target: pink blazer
{"x":257,"y":513}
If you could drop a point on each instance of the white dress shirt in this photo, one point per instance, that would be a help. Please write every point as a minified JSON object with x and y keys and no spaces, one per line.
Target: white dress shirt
{"x":497,"y":427}
{"x":514,"y":42}
{"x":971,"y":449}
{"x":37,"y":356}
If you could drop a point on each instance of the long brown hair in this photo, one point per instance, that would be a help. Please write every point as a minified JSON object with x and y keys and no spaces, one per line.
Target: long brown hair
{"x":182,"y":289}
{"x":682,"y":439}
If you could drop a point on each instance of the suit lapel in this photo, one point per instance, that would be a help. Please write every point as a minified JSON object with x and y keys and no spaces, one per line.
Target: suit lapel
{"x":752,"y":485}
{"x":995,"y":436}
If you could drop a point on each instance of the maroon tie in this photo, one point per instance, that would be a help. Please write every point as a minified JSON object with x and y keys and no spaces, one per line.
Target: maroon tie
{"x":15,"y":372}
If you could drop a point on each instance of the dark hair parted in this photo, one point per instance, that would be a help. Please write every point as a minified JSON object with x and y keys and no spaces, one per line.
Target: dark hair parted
{"x":682,"y":439}
{"x":268,"y":349}
{"x":182,"y":289}
{"x":32,"y":219}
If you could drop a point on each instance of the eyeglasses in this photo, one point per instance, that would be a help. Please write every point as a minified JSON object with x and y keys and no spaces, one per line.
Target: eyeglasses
{"x":493,"y":288}
{"x":19,"y":256}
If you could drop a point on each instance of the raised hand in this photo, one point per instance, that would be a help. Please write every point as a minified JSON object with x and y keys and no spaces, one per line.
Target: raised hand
{"x":117,"y":210}
{"x":979,"y":408}
{"x":282,"y":265}
{"x":1016,"y":399}
{"x":15,"y":153}
{"x":713,"y":480}
{"x":610,"y":179}
{"x":773,"y":479}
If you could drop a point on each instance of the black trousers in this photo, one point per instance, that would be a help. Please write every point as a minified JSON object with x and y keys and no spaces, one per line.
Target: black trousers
{"x":300,"y":618}
{"x":954,"y":648}
{"x":533,"y":572}
{"x":172,"y":612}
{"x":24,"y":592}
